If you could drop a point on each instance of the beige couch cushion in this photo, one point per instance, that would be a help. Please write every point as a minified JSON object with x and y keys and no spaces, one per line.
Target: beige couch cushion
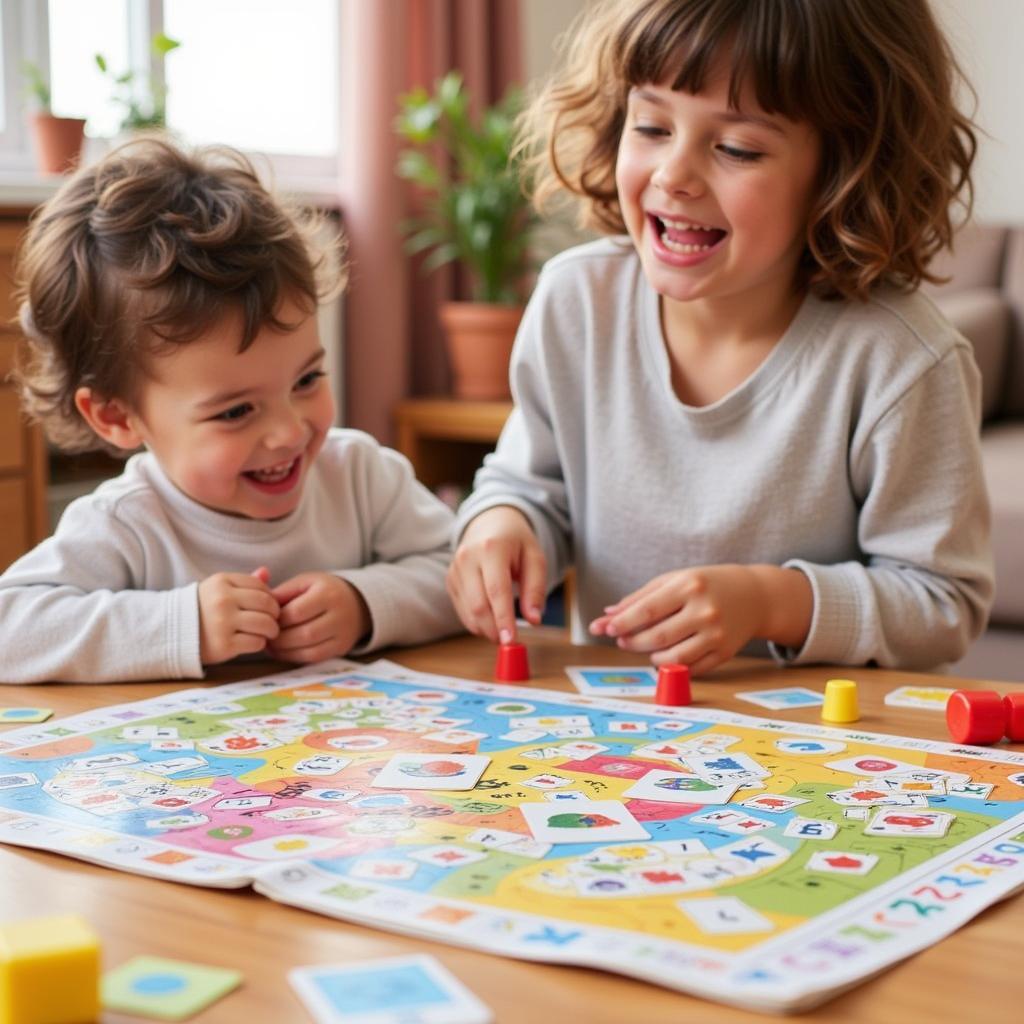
{"x":1013,"y":289}
{"x":1002,"y":450}
{"x":983,"y":317}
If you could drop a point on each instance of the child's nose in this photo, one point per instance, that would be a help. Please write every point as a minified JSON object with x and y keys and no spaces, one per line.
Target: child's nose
{"x":679,"y":173}
{"x":287,"y":430}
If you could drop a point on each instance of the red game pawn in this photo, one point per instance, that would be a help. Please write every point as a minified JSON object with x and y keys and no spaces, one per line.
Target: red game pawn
{"x":512,"y":665}
{"x":975,"y":716}
{"x":673,"y":687}
{"x":1013,"y":705}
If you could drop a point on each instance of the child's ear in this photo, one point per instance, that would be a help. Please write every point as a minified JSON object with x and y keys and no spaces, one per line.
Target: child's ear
{"x":111,"y":419}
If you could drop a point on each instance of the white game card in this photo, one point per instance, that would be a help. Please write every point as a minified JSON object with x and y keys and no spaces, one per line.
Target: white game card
{"x":594,"y":821}
{"x":724,"y":915}
{"x":432,"y":771}
{"x":680,"y":788}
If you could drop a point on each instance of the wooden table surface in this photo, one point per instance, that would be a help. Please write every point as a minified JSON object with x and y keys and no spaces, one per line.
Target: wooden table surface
{"x":974,"y":975}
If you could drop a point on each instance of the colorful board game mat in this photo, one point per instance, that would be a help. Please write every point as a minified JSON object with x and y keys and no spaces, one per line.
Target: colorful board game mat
{"x":763,"y":863}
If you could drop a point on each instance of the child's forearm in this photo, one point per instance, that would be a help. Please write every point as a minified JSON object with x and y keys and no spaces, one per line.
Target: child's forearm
{"x":787,"y":602}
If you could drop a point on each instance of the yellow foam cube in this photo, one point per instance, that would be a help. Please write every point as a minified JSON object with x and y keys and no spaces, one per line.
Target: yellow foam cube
{"x":49,"y":971}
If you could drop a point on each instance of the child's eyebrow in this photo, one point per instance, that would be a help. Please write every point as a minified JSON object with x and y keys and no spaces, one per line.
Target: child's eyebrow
{"x":727,"y":117}
{"x":225,"y":397}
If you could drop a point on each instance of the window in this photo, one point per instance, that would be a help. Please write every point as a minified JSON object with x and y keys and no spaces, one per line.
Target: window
{"x":257,"y":74}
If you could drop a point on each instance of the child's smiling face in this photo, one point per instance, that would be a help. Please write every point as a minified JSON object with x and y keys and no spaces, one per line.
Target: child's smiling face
{"x":238,"y":431}
{"x":715,"y":199}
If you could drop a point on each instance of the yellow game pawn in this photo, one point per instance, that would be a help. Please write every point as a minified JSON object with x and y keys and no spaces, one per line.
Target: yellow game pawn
{"x":840,"y":701}
{"x":49,"y":971}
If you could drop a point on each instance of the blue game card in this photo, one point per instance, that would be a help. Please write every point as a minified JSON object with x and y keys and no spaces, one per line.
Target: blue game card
{"x":613,"y":680}
{"x":779,"y":700}
{"x":398,"y":990}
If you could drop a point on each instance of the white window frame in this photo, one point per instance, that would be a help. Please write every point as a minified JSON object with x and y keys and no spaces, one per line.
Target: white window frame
{"x":26,"y":37}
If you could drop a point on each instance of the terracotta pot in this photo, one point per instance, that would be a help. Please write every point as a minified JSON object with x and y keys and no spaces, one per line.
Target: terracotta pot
{"x":480,"y":337}
{"x":58,"y":142}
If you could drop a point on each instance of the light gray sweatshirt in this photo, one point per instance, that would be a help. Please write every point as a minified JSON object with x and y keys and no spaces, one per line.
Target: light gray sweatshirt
{"x":113,"y":595}
{"x":851,"y":454}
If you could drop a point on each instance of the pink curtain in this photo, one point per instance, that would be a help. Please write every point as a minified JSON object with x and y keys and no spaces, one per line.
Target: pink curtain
{"x":393,"y":344}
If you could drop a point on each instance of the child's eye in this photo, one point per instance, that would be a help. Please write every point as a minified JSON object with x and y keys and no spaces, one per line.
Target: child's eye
{"x":650,"y":131}
{"x":307,"y":380}
{"x":746,"y":156}
{"x":236,"y":412}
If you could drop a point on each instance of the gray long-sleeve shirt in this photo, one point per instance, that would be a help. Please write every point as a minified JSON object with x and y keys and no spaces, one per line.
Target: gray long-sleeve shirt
{"x":851,"y":453}
{"x":113,"y":595}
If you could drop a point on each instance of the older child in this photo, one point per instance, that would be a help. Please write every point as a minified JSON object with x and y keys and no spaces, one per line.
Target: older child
{"x":169,"y":302}
{"x":743,"y":423}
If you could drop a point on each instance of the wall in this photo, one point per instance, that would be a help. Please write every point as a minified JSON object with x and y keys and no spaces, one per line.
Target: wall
{"x":987,"y":37}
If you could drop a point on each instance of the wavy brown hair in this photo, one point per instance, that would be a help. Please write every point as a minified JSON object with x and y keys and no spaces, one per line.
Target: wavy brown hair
{"x":875,"y":78}
{"x":149,"y":249}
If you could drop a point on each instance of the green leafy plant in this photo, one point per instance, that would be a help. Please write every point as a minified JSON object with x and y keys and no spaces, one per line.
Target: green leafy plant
{"x":475,"y":207}
{"x":140,"y":111}
{"x":36,"y":85}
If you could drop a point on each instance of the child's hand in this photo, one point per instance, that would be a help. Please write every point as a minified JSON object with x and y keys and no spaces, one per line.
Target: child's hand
{"x":701,"y":617}
{"x":237,"y":615}
{"x":322,"y":616}
{"x":498,"y":547}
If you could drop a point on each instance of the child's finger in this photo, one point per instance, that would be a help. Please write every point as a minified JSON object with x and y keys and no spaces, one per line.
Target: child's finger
{"x":652,"y":608}
{"x":262,"y":574}
{"x":533,"y":582}
{"x":291,"y":589}
{"x":257,"y":601}
{"x":306,"y":633}
{"x":660,"y":634}
{"x":257,"y":624}
{"x":474,"y":606}
{"x":497,"y":612}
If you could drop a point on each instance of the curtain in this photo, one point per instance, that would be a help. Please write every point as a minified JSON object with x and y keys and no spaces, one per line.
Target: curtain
{"x":393,"y":343}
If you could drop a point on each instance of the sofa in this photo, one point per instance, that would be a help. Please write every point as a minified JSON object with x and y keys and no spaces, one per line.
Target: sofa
{"x":984,"y":297}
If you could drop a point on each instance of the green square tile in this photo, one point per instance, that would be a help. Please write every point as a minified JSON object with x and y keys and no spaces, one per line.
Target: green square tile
{"x":152,"y":986}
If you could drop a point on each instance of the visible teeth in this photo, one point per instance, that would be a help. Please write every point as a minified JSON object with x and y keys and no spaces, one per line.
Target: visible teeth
{"x":682,"y":225}
{"x":274,"y":473}
{"x":682,"y":247}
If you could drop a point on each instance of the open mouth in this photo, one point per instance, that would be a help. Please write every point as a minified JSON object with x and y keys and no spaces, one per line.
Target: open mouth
{"x":276,"y":479}
{"x":685,"y":237}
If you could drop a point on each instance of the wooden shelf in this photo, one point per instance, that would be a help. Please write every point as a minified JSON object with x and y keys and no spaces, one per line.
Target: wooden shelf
{"x":22,"y":451}
{"x":446,"y":439}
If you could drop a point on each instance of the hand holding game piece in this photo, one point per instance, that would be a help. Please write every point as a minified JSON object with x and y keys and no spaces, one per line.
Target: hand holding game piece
{"x":497,"y":549}
{"x":322,"y":616}
{"x":673,"y":687}
{"x":512,"y":664}
{"x":237,"y":615}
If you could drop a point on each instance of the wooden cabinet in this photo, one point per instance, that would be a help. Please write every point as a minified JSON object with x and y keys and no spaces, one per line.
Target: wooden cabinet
{"x":23,"y":519}
{"x":445,"y":439}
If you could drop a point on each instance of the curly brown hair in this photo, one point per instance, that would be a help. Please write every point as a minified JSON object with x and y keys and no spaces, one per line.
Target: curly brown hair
{"x":148,"y":249}
{"x":875,"y":78}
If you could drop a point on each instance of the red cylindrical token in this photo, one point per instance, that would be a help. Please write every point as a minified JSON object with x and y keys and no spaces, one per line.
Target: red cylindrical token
{"x":1013,"y":706}
{"x":975,"y":716}
{"x":673,"y":687}
{"x":512,"y":665}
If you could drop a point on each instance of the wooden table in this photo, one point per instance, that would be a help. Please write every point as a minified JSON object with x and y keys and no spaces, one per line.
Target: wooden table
{"x":974,"y":975}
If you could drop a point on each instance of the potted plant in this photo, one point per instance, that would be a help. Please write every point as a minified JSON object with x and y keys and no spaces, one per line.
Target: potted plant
{"x":476,"y":212}
{"x":58,"y":140}
{"x":142,"y":110}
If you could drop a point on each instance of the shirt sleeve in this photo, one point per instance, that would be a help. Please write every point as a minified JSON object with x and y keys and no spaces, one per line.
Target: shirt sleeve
{"x":923,"y":590}
{"x":408,"y":538}
{"x":70,"y":610}
{"x":525,"y":470}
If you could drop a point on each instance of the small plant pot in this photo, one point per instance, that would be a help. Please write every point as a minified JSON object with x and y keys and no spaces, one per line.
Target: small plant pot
{"x":58,"y":142}
{"x":479,"y":337}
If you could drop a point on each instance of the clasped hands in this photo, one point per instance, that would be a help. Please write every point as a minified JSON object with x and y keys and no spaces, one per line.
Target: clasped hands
{"x":309,"y":617}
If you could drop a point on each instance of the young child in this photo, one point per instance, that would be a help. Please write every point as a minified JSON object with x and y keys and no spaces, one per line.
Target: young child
{"x":169,"y":302}
{"x":743,"y":423}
